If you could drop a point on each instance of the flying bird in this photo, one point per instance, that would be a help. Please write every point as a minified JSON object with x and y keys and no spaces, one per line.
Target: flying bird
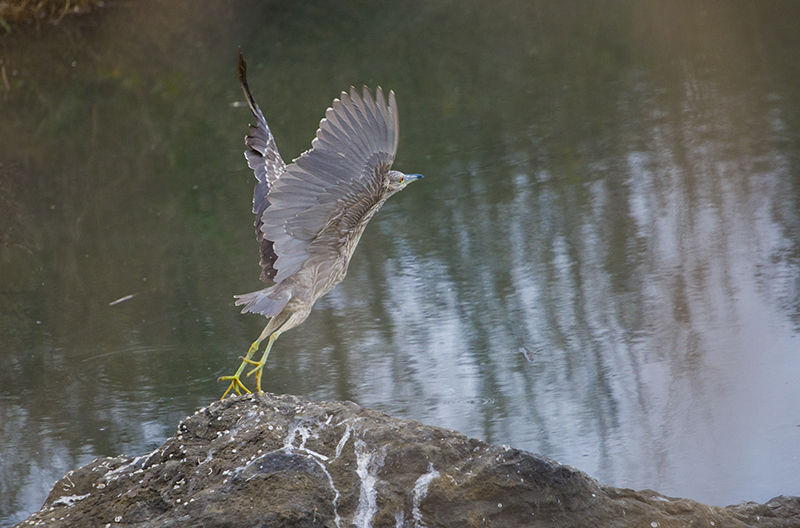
{"x":311,"y":213}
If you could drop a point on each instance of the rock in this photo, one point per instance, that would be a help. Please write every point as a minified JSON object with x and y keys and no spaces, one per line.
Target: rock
{"x":284,"y":461}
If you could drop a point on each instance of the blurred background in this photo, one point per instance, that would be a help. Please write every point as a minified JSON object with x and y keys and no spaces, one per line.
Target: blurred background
{"x":602,"y":265}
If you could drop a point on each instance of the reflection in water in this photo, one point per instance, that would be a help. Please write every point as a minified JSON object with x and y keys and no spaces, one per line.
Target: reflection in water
{"x":602,"y":266}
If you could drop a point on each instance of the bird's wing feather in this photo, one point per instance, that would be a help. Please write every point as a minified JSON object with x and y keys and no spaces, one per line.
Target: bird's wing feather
{"x":265,"y":160}
{"x":336,"y":181}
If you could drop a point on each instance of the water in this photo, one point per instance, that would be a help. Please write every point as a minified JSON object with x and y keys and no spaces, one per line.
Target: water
{"x":602,"y":264}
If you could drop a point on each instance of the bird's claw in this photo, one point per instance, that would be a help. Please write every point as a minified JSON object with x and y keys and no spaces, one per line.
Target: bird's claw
{"x":258,"y":368}
{"x":249,"y":361}
{"x":236,"y":384}
{"x":258,"y":371}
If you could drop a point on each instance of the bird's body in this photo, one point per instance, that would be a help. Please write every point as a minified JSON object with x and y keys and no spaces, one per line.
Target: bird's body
{"x":310,"y":214}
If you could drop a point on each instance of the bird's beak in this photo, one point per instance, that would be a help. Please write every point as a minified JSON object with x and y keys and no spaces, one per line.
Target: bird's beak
{"x":408,"y":178}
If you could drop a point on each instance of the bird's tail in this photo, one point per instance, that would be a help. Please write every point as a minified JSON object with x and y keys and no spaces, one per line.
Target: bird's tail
{"x":266,"y":302}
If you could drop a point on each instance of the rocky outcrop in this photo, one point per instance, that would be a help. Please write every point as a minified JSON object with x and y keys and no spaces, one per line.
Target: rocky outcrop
{"x":275,"y":461}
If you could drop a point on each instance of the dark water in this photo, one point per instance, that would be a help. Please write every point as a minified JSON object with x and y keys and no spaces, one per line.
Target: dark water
{"x":602,"y":264}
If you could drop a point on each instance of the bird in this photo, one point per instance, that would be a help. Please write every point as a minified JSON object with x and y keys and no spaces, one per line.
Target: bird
{"x":311,"y":213}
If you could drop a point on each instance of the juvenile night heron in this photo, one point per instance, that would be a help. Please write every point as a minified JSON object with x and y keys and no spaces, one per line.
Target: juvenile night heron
{"x":311,"y":213}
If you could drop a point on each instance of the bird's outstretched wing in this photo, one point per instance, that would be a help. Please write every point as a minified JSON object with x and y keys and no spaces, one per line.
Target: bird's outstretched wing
{"x":263,"y":157}
{"x":336,"y":183}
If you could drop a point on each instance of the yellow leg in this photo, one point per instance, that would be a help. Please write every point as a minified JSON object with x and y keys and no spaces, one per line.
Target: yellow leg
{"x":236,"y":383}
{"x":260,"y":363}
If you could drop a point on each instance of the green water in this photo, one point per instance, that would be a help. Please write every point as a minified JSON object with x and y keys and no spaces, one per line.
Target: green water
{"x":602,"y":264}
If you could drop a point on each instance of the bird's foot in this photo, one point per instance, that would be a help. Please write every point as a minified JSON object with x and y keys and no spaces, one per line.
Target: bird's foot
{"x":257,"y":371}
{"x":236,"y":384}
{"x":249,"y":362}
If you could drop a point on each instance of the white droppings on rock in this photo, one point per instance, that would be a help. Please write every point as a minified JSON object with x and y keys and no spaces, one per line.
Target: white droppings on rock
{"x":336,"y":518}
{"x":69,"y":500}
{"x":368,"y":465}
{"x":115,"y":474}
{"x":207,"y":459}
{"x":419,"y":492}
{"x":343,"y":441}
{"x":305,"y":434}
{"x":148,"y":456}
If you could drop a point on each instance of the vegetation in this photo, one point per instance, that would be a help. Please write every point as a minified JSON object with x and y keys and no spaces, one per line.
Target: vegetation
{"x":14,"y":12}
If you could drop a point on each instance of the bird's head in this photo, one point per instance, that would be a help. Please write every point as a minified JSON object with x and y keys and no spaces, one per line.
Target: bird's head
{"x":397,"y":180}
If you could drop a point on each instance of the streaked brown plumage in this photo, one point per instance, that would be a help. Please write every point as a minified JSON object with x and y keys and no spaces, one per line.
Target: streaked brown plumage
{"x":311,"y":213}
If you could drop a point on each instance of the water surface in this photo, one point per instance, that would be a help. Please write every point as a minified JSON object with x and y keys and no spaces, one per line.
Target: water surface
{"x":601,"y":266}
